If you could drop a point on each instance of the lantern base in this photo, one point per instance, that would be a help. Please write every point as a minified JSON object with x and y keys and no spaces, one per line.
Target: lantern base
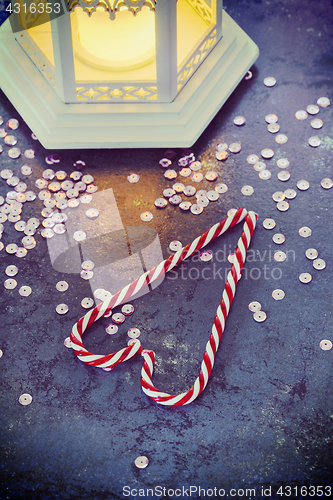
{"x":123,"y":125}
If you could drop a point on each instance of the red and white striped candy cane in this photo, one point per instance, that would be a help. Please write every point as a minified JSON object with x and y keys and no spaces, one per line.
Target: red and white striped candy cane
{"x":110,"y":360}
{"x":216,"y":335}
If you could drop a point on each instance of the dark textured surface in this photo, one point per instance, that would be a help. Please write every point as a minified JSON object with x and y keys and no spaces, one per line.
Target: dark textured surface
{"x":265,"y":418}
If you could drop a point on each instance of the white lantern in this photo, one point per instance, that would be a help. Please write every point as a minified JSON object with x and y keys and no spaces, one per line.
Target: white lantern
{"x":121,"y":73}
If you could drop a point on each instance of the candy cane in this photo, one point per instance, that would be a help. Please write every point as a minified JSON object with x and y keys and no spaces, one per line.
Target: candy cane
{"x":110,"y":360}
{"x":212,"y":345}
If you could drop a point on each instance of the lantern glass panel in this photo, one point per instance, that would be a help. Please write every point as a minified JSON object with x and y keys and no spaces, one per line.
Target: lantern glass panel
{"x":118,"y":50}
{"x":194,"y":22}
{"x":39,"y":30}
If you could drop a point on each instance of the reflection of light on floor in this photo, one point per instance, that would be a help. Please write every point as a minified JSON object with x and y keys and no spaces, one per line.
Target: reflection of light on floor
{"x":120,"y":254}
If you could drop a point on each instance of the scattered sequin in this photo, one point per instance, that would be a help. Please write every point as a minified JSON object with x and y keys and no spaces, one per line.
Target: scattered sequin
{"x":252,"y":159}
{"x":235,"y":147}
{"x":133,"y":178}
{"x":86,"y":275}
{"x":206,"y":255}
{"x":85,"y":198}
{"x":325,"y":345}
{"x":269,"y":81}
{"x":267,"y":153}
{"x":178,"y":187}
{"x":11,"y":248}
{"x":79,"y":236}
{"x":290,"y":194}
{"x":259,"y":316}
{"x":175,"y":199}
{"x":312,"y":109}
{"x":221,"y":155}
{"x":175,"y":246}
{"x":196,"y":210}
{"x":189,"y":191}
{"x":305,"y":278}
{"x":59,"y":229}
{"x":221,"y":188}
{"x":259,"y":166}
{"x":283,"y":176}
{"x":10,"y":140}
{"x":316,"y":123}
{"x":48,"y":174}
{"x":170,"y":174}
{"x":212,"y":195}
{"x":221,"y":146}
{"x":254,"y":306}
{"x":25,"y":399}
{"x":185,"y":205}
{"x":10,"y":284}
{"x":273,"y":128}
{"x":6,"y":173}
{"x":25,"y":291}
{"x":282,"y":206}
{"x":127,"y":309}
{"x":281,"y":138}
{"x":111,"y":329}
{"x":326,"y":183}
{"x":62,"y":308}
{"x":247,"y":190}
{"x":68,"y":343}
{"x":196,"y":177}
{"x":311,"y":253}
{"x":160,"y":203}
{"x":118,"y":318}
{"x":278,"y":196}
{"x":30,"y":153}
{"x":195,"y":166}
{"x":11,"y":270}
{"x":87,"y":302}
{"x":269,"y":223}
{"x":323,"y":102}
{"x":278,"y":294}
{"x":271,"y":118}
{"x":265,"y":175}
{"x":314,"y":141}
{"x":319,"y":264}
{"x":303,"y":185}
{"x":92,"y":213}
{"x":279,"y":238}
{"x":164,"y":163}
{"x":14,"y":153}
{"x":280,"y":256}
{"x":21,"y":252}
{"x":283,"y":163}
{"x":202,"y":201}
{"x":185,"y":172}
{"x":301,"y":115}
{"x":13,"y":124}
{"x":141,"y":462}
{"x":133,"y":333}
{"x":167,"y":193}
{"x":239,"y":121}
{"x":62,"y":286}
{"x":211,"y":176}
{"x":305,"y":232}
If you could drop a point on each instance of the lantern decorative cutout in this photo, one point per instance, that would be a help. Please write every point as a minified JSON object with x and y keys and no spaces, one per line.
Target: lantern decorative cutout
{"x":121,"y":73}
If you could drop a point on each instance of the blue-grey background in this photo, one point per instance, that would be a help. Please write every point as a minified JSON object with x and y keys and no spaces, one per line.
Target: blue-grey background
{"x":265,"y":418}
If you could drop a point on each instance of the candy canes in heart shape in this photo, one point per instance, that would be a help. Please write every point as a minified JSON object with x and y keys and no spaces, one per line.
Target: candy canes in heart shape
{"x":110,"y":360}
